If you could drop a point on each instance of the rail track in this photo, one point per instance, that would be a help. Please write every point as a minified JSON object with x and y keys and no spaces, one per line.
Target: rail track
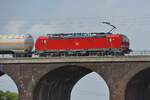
{"x":71,"y":59}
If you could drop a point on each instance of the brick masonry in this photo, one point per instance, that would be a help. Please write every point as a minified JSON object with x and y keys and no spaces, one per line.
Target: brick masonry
{"x":117,"y":74}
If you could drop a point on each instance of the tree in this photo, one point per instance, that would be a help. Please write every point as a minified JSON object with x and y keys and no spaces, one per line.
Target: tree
{"x":8,"y":95}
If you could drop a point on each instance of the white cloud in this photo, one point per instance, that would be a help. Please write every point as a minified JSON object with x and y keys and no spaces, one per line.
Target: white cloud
{"x":40,"y":28}
{"x":14,"y":26}
{"x":43,"y":29}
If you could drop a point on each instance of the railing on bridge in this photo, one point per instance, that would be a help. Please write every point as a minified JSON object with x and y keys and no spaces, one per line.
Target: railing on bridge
{"x":133,"y":53}
{"x":143,"y":52}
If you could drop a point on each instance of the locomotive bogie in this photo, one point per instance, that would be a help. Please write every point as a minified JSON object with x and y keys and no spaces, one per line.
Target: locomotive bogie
{"x":100,"y":52}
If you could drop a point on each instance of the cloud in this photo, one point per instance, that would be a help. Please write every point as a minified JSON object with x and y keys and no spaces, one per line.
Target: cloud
{"x":14,"y":26}
{"x":40,"y":28}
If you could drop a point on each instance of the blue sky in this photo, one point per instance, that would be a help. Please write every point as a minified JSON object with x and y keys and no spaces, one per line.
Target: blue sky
{"x":6,"y":83}
{"x":90,"y":87}
{"x":39,"y":17}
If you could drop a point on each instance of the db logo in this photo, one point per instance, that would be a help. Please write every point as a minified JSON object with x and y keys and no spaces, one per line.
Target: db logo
{"x":76,"y":43}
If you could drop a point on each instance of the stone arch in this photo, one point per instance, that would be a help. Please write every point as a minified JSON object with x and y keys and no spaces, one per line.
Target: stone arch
{"x":1,"y":73}
{"x":91,"y":87}
{"x":12,"y":78}
{"x":138,"y":86}
{"x":58,"y":83}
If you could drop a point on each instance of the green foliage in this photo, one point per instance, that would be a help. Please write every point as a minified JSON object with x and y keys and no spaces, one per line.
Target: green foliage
{"x":8,"y":95}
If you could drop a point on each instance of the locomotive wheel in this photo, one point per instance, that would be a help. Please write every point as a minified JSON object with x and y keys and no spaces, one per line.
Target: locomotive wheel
{"x":19,"y":55}
{"x":102,"y":53}
{"x":28,"y":55}
{"x":22,"y":55}
{"x":112,"y":54}
{"x":42,"y":55}
{"x":63,"y":54}
{"x":118,"y":54}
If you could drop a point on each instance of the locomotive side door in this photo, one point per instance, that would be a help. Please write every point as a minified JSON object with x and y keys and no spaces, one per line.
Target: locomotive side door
{"x":110,"y":40}
{"x":44,"y":41}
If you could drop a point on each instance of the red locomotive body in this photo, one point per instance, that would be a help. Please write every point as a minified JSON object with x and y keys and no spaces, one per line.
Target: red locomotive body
{"x":82,"y":44}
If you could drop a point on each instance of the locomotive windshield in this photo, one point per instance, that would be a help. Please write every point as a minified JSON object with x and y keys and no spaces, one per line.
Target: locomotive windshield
{"x":124,"y":38}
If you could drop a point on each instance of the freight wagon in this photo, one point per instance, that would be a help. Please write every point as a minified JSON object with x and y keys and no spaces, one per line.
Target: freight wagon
{"x":20,"y":45}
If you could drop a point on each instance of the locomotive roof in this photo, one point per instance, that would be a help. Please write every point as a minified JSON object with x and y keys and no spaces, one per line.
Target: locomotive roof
{"x":76,"y":35}
{"x":14,"y":36}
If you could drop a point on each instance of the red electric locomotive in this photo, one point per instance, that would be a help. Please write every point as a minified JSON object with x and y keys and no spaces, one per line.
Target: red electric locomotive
{"x":82,"y":44}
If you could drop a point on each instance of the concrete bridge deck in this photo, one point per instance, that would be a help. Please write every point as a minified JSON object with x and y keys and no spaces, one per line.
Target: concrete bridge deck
{"x":76,"y":59}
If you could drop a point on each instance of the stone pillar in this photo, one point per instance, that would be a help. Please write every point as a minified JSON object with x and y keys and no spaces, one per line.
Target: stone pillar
{"x":113,"y":75}
{"x":25,"y":82}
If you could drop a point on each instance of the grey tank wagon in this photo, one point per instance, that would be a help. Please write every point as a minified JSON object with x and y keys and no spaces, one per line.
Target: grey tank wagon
{"x":19,"y":45}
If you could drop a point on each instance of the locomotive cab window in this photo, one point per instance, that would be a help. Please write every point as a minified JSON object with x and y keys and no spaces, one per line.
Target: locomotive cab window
{"x":124,"y":38}
{"x":110,"y":39}
{"x":44,"y":41}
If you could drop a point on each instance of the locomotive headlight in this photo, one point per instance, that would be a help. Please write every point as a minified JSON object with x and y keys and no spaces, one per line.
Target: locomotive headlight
{"x":122,"y":46}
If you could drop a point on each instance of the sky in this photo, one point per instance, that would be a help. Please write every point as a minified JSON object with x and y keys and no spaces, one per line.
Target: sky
{"x":40,"y":17}
{"x":7,"y":84}
{"x":90,"y":87}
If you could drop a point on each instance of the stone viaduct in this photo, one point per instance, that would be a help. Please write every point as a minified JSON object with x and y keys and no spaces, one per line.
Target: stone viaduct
{"x":128,"y":77}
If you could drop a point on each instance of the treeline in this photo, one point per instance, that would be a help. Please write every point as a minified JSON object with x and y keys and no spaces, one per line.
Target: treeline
{"x":8,"y":95}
